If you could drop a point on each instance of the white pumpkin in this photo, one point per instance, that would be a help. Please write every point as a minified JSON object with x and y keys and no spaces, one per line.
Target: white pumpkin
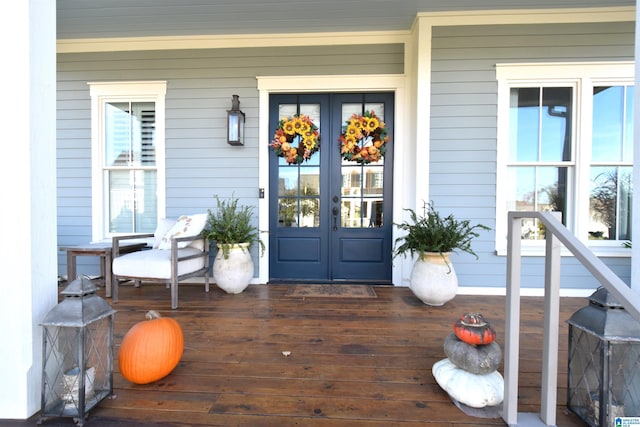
{"x":474,"y":390}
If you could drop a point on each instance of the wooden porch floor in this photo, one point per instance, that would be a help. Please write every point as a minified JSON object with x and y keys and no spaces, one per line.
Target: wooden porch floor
{"x":353,"y":362}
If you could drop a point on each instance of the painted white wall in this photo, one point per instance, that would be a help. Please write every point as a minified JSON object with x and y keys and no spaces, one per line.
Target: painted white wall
{"x":27,"y":185}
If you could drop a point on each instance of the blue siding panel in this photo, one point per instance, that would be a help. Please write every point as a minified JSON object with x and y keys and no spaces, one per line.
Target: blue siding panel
{"x":200,"y":82}
{"x":464,"y":133}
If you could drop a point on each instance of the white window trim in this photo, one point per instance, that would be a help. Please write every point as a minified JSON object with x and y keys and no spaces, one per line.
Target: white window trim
{"x":583,"y":76}
{"x":102,"y":92}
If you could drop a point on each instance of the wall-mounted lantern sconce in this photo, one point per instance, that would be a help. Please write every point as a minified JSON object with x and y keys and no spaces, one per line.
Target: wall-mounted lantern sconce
{"x":235,"y":123}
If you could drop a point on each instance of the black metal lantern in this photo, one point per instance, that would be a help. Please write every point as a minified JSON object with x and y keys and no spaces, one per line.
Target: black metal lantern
{"x":77,"y":362}
{"x":235,"y":123}
{"x":604,"y":362}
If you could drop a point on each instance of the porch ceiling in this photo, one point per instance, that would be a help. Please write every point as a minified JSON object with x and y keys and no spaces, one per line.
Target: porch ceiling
{"x":142,"y":18}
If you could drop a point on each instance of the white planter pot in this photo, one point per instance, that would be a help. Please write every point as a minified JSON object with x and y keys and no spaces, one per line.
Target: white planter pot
{"x":233,"y":274}
{"x":433,"y":279}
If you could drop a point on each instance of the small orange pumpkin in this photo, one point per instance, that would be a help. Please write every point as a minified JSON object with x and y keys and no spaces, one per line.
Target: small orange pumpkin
{"x":151,"y":349}
{"x":473,"y":329}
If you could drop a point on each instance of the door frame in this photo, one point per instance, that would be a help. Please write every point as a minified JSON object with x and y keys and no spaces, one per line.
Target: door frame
{"x":320,"y":84}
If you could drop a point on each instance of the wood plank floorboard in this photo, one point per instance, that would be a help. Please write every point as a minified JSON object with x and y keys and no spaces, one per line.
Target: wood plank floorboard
{"x":353,"y":362}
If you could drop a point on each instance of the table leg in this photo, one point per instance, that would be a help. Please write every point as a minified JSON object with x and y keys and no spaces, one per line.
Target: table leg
{"x":107,"y":275}
{"x":71,"y":266}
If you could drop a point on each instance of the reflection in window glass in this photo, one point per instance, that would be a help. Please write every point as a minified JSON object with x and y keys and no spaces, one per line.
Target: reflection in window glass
{"x":288,"y":181}
{"x":536,"y":188}
{"x":524,"y":124}
{"x":612,"y":124}
{"x":610,"y":203}
{"x":132,"y":201}
{"x":608,"y":124}
{"x":610,"y":195}
{"x":299,"y":212}
{"x":130,"y":133}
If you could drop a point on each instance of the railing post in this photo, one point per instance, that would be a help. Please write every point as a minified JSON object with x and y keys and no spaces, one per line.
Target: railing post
{"x":556,"y":235}
{"x":549,"y":395}
{"x":512,"y":321}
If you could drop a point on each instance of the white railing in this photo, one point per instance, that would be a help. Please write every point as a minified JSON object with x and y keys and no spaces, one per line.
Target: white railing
{"x":556,"y":234}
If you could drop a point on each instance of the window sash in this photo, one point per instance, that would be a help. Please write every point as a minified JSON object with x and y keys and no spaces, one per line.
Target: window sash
{"x":128,"y":191}
{"x":583,"y":77}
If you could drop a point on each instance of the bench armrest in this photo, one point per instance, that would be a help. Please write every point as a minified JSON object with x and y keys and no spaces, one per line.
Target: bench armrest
{"x":115,"y":246}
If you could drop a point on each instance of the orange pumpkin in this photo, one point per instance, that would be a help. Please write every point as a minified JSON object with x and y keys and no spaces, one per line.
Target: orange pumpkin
{"x":151,"y":349}
{"x":473,"y":329}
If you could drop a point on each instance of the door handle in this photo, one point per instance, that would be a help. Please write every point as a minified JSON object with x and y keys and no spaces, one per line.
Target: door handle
{"x":335,"y":218}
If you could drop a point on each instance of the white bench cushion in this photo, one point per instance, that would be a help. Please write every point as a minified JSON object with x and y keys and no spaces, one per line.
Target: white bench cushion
{"x":155,"y":263}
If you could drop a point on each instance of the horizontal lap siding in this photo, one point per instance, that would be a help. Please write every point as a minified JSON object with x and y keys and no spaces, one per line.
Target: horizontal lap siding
{"x":463,"y":127}
{"x":199,"y":162}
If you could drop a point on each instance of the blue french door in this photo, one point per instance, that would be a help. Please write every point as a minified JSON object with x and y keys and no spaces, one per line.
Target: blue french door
{"x":330,"y":219}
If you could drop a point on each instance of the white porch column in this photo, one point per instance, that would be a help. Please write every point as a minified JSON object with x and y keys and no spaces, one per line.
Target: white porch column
{"x":28,"y":249}
{"x":635,"y":230}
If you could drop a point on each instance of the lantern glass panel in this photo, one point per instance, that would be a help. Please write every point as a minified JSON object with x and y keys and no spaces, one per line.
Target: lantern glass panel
{"x":585,"y":366}
{"x":66,"y":392}
{"x":625,"y":379}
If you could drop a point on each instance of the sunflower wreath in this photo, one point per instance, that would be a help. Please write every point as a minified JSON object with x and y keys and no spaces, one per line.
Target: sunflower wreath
{"x":364,"y":139}
{"x":300,"y":130}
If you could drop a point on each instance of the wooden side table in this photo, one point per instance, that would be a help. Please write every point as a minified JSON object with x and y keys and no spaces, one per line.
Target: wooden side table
{"x":103,"y":250}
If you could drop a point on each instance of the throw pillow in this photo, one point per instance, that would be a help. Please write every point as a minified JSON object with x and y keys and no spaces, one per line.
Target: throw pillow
{"x":186,"y":226}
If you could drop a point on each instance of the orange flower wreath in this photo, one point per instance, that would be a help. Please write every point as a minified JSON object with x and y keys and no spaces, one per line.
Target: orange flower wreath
{"x":364,"y":139}
{"x":296,"y":129}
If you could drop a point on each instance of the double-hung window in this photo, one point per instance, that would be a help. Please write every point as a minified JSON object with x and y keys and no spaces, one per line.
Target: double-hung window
{"x":565,"y":143}
{"x":127,"y":157}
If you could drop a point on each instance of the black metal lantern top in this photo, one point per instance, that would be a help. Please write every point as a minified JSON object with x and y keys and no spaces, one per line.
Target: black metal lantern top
{"x":606,"y":318}
{"x":80,"y":306}
{"x":235,"y":123}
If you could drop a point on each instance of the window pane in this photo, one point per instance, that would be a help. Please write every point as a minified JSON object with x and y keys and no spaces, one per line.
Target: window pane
{"x":309,"y":212}
{"x":144,"y":125}
{"x":610,"y":203}
{"x":351,"y":213}
{"x":540,"y":126}
{"x":537,"y":188}
{"x":117,"y":134}
{"x":374,"y":209}
{"x":608,"y":123}
{"x":130,"y":134}
{"x":299,"y":212}
{"x":288,"y":181}
{"x":132,"y":201}
{"x":524,"y":124}
{"x":288,"y":212}
{"x":613,"y":124}
{"x":351,"y":180}
{"x":556,"y":124}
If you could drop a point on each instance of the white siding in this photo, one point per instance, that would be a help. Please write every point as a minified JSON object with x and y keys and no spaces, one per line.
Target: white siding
{"x":463,"y":144}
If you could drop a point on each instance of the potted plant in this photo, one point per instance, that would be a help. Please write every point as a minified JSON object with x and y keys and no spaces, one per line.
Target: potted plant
{"x":432,"y":238}
{"x":231,"y":227}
